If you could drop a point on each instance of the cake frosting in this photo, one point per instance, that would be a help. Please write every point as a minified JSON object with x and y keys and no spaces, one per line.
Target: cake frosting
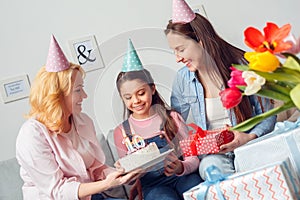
{"x":139,"y":157}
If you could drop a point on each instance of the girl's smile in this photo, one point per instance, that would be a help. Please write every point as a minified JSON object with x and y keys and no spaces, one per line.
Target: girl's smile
{"x":137,"y":96}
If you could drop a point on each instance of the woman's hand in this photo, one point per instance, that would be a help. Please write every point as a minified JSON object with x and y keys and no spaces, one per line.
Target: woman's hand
{"x":118,"y":177}
{"x":172,"y":165}
{"x":117,"y":164}
{"x":240,"y":139}
{"x":136,"y":190}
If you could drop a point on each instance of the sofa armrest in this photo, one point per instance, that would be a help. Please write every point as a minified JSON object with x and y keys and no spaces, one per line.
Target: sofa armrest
{"x":11,"y":182}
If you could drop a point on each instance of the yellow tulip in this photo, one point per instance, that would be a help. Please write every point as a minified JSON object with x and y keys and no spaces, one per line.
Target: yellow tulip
{"x":262,"y":61}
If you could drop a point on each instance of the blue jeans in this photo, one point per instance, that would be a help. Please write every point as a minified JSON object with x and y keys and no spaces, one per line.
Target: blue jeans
{"x":100,"y":197}
{"x":223,"y":161}
{"x":156,"y":185}
{"x":168,"y":188}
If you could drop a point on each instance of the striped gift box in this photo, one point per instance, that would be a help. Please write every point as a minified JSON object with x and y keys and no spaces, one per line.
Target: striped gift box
{"x":277,"y":181}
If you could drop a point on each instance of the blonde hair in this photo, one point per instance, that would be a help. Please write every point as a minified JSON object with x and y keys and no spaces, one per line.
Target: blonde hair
{"x":46,"y":94}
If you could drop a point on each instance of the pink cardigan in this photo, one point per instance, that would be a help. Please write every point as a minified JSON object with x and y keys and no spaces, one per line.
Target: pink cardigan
{"x":50,"y":167}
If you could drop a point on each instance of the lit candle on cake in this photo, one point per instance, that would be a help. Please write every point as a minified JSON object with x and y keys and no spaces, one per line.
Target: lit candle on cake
{"x":138,"y":141}
{"x":128,"y":144}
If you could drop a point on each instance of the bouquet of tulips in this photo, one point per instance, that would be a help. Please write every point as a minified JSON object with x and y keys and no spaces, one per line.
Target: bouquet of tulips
{"x":265,"y":75}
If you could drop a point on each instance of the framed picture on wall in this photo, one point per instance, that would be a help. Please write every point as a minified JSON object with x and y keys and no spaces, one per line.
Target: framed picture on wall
{"x":86,"y":52}
{"x":14,"y":88}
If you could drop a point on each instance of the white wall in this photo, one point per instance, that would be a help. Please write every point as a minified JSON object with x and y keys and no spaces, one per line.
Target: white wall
{"x":25,"y":34}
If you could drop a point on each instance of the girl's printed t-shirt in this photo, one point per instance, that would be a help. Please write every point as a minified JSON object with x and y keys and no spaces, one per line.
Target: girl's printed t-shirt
{"x":151,"y":127}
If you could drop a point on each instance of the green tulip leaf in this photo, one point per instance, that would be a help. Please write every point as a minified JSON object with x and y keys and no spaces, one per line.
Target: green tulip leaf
{"x":295,"y":95}
{"x":279,"y":87}
{"x":291,"y":63}
{"x":271,"y":94}
{"x":250,"y":123}
{"x":241,"y":67}
{"x":287,"y":55}
{"x":241,"y":87}
{"x":287,"y":85}
{"x":281,"y":75}
{"x":290,"y":71}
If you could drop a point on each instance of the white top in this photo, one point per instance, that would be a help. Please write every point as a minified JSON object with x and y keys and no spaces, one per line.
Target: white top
{"x":216,"y":114}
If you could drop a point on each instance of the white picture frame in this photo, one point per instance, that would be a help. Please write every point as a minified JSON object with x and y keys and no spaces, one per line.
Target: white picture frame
{"x":15,"y":88}
{"x":86,"y":52}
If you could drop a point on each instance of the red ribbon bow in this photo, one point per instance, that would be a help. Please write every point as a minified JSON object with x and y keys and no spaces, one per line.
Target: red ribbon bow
{"x":197,"y":133}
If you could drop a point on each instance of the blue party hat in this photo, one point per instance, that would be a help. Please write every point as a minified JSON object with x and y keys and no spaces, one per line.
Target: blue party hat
{"x":131,"y":60}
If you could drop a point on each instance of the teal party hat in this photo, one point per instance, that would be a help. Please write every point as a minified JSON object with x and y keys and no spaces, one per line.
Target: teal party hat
{"x":131,"y":60}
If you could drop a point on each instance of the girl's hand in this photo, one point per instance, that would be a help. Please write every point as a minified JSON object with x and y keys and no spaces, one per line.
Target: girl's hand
{"x":172,"y":165}
{"x":136,"y":190}
{"x":240,"y":139}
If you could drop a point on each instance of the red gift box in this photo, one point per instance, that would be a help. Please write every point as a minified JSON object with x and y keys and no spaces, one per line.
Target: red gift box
{"x":224,"y":137}
{"x":204,"y":141}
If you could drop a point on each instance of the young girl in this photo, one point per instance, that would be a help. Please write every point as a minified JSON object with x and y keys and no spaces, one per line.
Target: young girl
{"x":151,"y":118}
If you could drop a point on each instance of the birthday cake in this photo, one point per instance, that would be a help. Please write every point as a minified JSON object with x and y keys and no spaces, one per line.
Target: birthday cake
{"x":139,"y":157}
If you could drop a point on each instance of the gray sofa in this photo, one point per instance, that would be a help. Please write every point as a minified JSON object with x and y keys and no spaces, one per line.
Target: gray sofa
{"x":11,"y":182}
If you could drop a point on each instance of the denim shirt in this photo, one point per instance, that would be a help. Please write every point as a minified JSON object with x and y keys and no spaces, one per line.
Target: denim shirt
{"x":188,"y":94}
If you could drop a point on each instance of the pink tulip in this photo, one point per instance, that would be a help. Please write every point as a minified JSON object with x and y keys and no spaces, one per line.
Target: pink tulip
{"x":236,"y":78}
{"x":230,"y":97}
{"x":295,"y":45}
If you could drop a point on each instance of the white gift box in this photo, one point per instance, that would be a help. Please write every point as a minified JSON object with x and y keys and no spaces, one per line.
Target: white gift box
{"x":276,"y":181}
{"x":268,"y":149}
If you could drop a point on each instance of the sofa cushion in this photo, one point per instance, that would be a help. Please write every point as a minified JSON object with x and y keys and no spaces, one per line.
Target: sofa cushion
{"x":109,"y":159}
{"x":118,"y":192}
{"x":11,"y":182}
{"x":111,"y":143}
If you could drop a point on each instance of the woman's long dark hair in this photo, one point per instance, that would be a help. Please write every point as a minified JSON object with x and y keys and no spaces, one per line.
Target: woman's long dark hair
{"x":158,"y":103}
{"x":223,"y":54}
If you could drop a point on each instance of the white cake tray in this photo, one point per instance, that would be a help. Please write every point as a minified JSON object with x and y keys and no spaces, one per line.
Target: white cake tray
{"x":150,"y":165}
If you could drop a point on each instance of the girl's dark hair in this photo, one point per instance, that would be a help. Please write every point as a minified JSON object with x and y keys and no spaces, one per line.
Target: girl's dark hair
{"x":223,"y":54}
{"x":158,"y":103}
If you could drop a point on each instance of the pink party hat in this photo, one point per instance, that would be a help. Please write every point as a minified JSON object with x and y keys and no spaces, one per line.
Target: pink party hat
{"x":56,"y":60}
{"x":182,"y":13}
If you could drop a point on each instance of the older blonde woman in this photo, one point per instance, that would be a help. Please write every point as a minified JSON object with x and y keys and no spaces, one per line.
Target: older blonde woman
{"x":57,"y":147}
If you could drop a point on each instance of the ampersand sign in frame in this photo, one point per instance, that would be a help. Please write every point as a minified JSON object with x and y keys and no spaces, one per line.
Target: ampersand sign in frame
{"x":86,"y":52}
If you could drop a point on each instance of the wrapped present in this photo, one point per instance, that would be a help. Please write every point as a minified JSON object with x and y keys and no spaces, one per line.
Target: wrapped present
{"x":224,"y":137}
{"x":275,"y":146}
{"x":276,"y":181}
{"x":204,"y":141}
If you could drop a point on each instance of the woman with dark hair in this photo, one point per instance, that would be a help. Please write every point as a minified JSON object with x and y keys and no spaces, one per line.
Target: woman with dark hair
{"x":207,"y":59}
